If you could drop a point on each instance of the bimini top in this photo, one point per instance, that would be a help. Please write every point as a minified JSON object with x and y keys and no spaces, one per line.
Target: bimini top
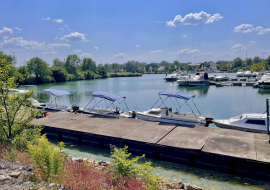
{"x":107,"y":95}
{"x":56,"y":92}
{"x":176,"y":95}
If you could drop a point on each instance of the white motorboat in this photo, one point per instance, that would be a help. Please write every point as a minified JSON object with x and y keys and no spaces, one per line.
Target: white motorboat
{"x":111,"y":110}
{"x":255,"y":74}
{"x":264,"y":82}
{"x":212,"y":77}
{"x":247,"y":73}
{"x":166,"y":115}
{"x":175,"y":76}
{"x":199,"y":79}
{"x":240,"y":73}
{"x":221,"y":78}
{"x":252,"y":122}
{"x":183,"y":80}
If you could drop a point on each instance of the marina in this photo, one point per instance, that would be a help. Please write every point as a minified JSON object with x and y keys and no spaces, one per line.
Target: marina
{"x":223,"y":150}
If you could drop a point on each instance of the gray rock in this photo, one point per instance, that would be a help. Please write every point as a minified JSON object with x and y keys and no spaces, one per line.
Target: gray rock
{"x":52,"y":185}
{"x":4,"y":177}
{"x":191,"y":187}
{"x":15,"y":174}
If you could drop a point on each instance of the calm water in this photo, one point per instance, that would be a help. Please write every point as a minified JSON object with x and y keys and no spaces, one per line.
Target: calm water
{"x":216,"y":102}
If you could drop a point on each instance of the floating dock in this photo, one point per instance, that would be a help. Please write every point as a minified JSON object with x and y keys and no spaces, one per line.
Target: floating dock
{"x":224,"y":150}
{"x":232,"y":83}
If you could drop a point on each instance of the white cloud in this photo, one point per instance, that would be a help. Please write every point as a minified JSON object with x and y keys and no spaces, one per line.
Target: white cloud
{"x":61,"y":29}
{"x":156,"y":52}
{"x":240,"y":47}
{"x":77,"y":50}
{"x":48,"y":18}
{"x":50,"y":52}
{"x":137,"y":46}
{"x":59,"y":45}
{"x":95,"y":47}
{"x":76,"y":36}
{"x":20,"y":42}
{"x":55,"y":38}
{"x":5,"y":32}
{"x":86,"y":54}
{"x":120,"y":55}
{"x":185,"y":51}
{"x":252,"y":42}
{"x":264,"y":31}
{"x":110,"y":45}
{"x":194,"y":19}
{"x":16,"y":28}
{"x":66,"y":25}
{"x":58,"y":20}
{"x":184,"y":36}
{"x":246,"y":28}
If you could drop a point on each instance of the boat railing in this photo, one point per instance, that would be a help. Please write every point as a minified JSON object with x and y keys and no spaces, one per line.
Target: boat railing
{"x":137,"y":108}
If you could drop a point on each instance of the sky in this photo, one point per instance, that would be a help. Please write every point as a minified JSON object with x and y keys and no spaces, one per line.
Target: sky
{"x":142,"y":30}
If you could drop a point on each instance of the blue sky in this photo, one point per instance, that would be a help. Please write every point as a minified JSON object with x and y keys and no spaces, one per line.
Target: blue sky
{"x":149,"y":31}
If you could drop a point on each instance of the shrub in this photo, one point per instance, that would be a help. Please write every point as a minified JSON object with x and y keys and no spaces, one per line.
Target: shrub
{"x":123,"y":167}
{"x":59,"y":74}
{"x":50,"y":160}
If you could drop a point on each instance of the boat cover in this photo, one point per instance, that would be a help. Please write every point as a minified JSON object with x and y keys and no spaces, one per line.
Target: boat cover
{"x":176,"y":95}
{"x":56,"y":92}
{"x":107,"y":95}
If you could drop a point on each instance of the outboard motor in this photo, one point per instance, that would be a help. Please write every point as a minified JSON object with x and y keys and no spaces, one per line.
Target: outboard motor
{"x":208,"y":121}
{"x":75,"y":108}
{"x":133,"y":114}
{"x":170,"y":109}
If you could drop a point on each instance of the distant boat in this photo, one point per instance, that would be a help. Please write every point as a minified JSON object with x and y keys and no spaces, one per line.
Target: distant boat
{"x":221,"y":78}
{"x":240,"y":73}
{"x":183,"y":80}
{"x":199,"y":79}
{"x":247,"y":73}
{"x":264,"y":82}
{"x":252,"y":122}
{"x":175,"y":76}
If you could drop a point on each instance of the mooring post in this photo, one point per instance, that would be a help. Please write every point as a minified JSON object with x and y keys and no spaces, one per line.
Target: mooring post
{"x":267,"y":116}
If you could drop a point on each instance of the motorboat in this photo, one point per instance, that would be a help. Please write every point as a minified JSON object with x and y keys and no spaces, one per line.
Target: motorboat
{"x":183,"y":80}
{"x":212,"y":77}
{"x":247,"y":73}
{"x":240,"y":73}
{"x":199,"y":79}
{"x":255,"y":74}
{"x":54,"y":102}
{"x":221,"y":78}
{"x":166,"y":115}
{"x":264,"y":82}
{"x":252,"y":122}
{"x":110,"y":110}
{"x":175,"y":76}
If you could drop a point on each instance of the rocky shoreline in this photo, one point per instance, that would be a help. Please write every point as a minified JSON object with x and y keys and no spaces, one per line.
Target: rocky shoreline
{"x":17,"y":176}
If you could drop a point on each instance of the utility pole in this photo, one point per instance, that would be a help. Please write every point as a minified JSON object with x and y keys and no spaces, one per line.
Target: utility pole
{"x":263,"y":54}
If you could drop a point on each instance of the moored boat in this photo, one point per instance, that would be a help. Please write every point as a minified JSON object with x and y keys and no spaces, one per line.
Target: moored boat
{"x":240,"y":73}
{"x":199,"y":79}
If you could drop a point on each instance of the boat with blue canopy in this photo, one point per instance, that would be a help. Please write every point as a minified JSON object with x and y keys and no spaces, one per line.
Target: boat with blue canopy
{"x":54,"y":95}
{"x":166,"y":115}
{"x":109,"y":100}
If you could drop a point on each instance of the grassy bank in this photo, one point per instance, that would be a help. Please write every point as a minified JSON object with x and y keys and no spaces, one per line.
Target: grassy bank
{"x":125,"y":74}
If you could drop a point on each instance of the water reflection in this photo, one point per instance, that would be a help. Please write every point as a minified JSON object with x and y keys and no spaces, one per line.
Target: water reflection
{"x":196,"y":90}
{"x":263,"y":91}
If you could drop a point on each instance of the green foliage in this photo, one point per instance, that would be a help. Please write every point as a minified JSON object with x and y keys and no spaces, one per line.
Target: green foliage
{"x":58,"y":63}
{"x":115,"y":67}
{"x":16,"y":111}
{"x":268,"y":60}
{"x":257,"y":59}
{"x":258,"y":67}
{"x":238,"y":62}
{"x":249,"y":61}
{"x":40,"y":68}
{"x":124,"y":166}
{"x":72,"y":65}
{"x":88,"y":65}
{"x":133,"y":71}
{"x":50,"y":160}
{"x":101,"y":71}
{"x":59,"y":74}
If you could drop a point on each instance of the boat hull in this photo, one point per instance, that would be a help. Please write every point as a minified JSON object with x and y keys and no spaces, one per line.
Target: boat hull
{"x":264,"y":85}
{"x":227,"y":126}
{"x":171,"y":79}
{"x":198,"y":83}
{"x":183,"y":83}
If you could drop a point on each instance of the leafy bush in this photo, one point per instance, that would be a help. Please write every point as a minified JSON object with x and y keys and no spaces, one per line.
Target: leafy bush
{"x":50,"y":160}
{"x":123,"y":167}
{"x":59,"y":74}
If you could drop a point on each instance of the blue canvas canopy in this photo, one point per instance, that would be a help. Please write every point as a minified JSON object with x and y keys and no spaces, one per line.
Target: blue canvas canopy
{"x":176,"y":95}
{"x":107,"y":95}
{"x":56,"y":92}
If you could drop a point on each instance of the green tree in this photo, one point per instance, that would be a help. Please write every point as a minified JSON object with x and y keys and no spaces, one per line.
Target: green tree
{"x":16,"y":111}
{"x":23,"y":75}
{"x":40,"y":68}
{"x":88,"y":64}
{"x":58,"y":63}
{"x":268,"y":60}
{"x":238,"y":62}
{"x":101,"y":70}
{"x":59,"y":74}
{"x":72,"y":64}
{"x":115,"y":67}
{"x":257,"y":67}
{"x":249,"y":61}
{"x":257,"y":59}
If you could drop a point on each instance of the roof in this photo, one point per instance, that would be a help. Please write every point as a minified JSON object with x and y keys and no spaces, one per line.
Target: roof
{"x":176,"y":95}
{"x":56,"y":92}
{"x":107,"y":95}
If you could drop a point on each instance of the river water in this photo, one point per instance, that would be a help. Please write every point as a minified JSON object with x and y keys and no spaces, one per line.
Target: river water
{"x":215,"y":102}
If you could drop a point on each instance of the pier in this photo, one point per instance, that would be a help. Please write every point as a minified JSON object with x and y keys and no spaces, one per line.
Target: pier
{"x":229,"y":151}
{"x":232,"y":83}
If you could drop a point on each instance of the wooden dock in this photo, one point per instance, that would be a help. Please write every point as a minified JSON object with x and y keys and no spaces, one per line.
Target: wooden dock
{"x":232,"y":83}
{"x":224,"y":150}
